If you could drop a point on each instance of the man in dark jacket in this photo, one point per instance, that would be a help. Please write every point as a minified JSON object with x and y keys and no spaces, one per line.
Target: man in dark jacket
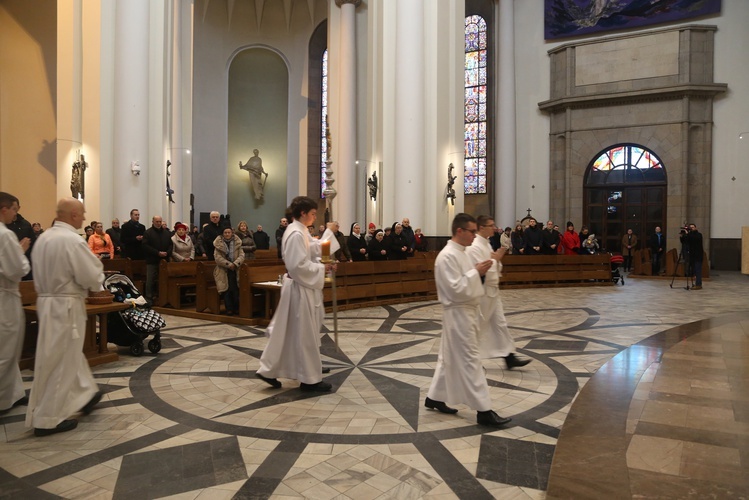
{"x":279,"y":234}
{"x":534,"y":240}
{"x":657,"y":247}
{"x":210,"y":232}
{"x":262,"y":240}
{"x":408,"y":233}
{"x":551,"y":238}
{"x":115,"y":236}
{"x":693,"y":240}
{"x":131,"y":236}
{"x":343,"y":254}
{"x":23,"y":229}
{"x":157,"y":246}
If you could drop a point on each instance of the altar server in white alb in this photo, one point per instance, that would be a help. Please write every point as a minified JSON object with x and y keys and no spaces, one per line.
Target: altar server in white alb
{"x":293,"y":349}
{"x":13,"y":266}
{"x":64,"y":271}
{"x":495,"y":340}
{"x":459,"y":376}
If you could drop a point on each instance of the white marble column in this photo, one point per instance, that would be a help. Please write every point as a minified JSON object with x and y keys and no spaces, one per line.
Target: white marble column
{"x":131,"y":100}
{"x":344,"y":165}
{"x":409,"y":111}
{"x":505,"y":168}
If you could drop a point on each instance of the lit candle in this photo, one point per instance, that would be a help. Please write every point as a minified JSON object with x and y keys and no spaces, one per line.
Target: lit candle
{"x":325,"y":248}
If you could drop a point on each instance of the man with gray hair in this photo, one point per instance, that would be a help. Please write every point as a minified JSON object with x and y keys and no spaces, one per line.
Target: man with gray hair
{"x":66,"y":271}
{"x":210,"y":232}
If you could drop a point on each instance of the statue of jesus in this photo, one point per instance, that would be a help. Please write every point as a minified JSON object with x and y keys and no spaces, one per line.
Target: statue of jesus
{"x":255,"y":167}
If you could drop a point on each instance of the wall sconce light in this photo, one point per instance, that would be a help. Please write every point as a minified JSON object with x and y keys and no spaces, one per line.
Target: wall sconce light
{"x":135,"y":167}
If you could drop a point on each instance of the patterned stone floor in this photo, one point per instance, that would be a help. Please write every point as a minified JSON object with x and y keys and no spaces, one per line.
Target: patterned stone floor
{"x":193,"y":422}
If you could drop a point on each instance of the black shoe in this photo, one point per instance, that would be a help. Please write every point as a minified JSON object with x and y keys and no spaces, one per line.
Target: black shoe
{"x":439,"y":405}
{"x":24,"y":401}
{"x":273,"y":382}
{"x":491,"y":419}
{"x":90,"y":405}
{"x":513,"y":362}
{"x":321,"y":386}
{"x":64,"y":426}
{"x":326,"y":370}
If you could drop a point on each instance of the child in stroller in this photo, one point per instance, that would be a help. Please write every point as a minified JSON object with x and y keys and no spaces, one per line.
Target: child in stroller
{"x":616,"y":261}
{"x":129,"y":328}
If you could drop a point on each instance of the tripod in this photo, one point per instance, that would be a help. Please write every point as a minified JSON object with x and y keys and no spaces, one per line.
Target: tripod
{"x":687,"y":271}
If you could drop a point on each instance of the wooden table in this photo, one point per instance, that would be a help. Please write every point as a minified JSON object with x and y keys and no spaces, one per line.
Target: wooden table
{"x":272,"y":296}
{"x":96,"y":353}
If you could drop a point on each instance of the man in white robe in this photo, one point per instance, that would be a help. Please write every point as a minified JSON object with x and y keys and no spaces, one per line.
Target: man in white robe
{"x":13,"y":266}
{"x":64,"y":271}
{"x":293,"y":349}
{"x":495,"y":340}
{"x":459,"y":377}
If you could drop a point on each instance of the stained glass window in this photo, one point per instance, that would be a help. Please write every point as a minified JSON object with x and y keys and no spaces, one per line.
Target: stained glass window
{"x":475,"y":139}
{"x":625,"y":164}
{"x":323,"y":140}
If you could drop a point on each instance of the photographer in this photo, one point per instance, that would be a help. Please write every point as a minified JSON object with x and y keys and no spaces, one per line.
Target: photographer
{"x":691,"y":240}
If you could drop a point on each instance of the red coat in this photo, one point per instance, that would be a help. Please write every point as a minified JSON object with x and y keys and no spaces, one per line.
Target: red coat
{"x":570,"y":243}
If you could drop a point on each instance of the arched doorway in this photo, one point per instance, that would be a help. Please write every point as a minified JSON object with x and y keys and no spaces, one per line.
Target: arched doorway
{"x":624,"y":188}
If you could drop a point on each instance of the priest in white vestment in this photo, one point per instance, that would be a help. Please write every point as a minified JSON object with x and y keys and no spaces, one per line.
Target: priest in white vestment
{"x":64,"y":271}
{"x":13,"y":266}
{"x":293,"y":349}
{"x":459,"y":376}
{"x":495,"y":340}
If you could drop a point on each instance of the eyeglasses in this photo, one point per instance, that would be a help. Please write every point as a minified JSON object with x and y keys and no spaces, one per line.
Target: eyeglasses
{"x":472,"y":231}
{"x":488,"y":225}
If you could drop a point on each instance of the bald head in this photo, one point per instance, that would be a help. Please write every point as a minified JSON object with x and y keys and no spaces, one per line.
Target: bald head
{"x":71,"y":211}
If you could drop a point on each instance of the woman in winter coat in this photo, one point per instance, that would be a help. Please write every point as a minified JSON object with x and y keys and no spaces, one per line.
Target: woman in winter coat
{"x":182,"y":248}
{"x":248,"y":242}
{"x":357,"y":244}
{"x":377,"y":248}
{"x":229,"y":256}
{"x":518,"y":240}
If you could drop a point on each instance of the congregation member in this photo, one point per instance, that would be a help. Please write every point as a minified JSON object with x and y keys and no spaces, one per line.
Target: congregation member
{"x":693,"y":240}
{"x":408,"y":234}
{"x":37,"y":228}
{"x":66,"y":270}
{"x":157,"y":246}
{"x":371,"y":230}
{"x":570,"y":241}
{"x":13,"y":266}
{"x":494,"y":337}
{"x":132,"y":236}
{"x":282,"y":225}
{"x":200,"y":245}
{"x":378,"y":248}
{"x":357,"y":246}
{"x":629,"y":245}
{"x":397,"y":243}
{"x":293,"y":349}
{"x":100,"y":243}
{"x":211,"y":231}
{"x":248,"y":243}
{"x":495,"y":240}
{"x":229,"y":256}
{"x":584,"y":233}
{"x":505,"y":241}
{"x":343,"y":254}
{"x":551,"y":239}
{"x":657,"y":247}
{"x":518,"y":240}
{"x":534,"y":238}
{"x":420,"y":241}
{"x":262,"y":240}
{"x":459,"y":376}
{"x":183,"y":249}
{"x":590,"y":245}
{"x":116,"y":236}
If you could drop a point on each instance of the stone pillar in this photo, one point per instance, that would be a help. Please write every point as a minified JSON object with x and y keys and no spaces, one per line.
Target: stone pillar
{"x":505,"y":168}
{"x":409,"y":111}
{"x":345,"y":207}
{"x":131,"y":99}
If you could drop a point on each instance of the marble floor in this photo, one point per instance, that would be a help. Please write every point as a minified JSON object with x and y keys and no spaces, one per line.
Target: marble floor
{"x":638,"y":390}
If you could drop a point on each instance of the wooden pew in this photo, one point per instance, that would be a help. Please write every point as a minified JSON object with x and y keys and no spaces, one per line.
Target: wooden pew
{"x":252,"y":302}
{"x":529,"y":271}
{"x":133,"y":269}
{"x":206,"y":294}
{"x":174,"y":277}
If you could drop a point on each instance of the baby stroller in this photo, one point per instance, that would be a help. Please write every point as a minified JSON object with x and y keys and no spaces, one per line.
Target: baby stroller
{"x":129,"y":328}
{"x":616,"y":261}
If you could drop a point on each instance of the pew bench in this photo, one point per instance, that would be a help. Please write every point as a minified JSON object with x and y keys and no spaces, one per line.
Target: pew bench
{"x":174,"y":279}
{"x":206,"y":294}
{"x":531,"y":271}
{"x":253,"y":300}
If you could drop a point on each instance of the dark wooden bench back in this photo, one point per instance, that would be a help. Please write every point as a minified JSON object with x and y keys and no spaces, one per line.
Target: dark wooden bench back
{"x":173,"y":277}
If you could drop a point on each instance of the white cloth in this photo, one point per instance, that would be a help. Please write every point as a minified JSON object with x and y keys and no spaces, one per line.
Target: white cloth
{"x":459,"y":376}
{"x":293,"y":349}
{"x":64,"y":270}
{"x":13,"y":266}
{"x":494,"y":334}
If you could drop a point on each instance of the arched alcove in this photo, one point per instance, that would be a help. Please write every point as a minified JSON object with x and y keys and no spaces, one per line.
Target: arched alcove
{"x":257,"y":118}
